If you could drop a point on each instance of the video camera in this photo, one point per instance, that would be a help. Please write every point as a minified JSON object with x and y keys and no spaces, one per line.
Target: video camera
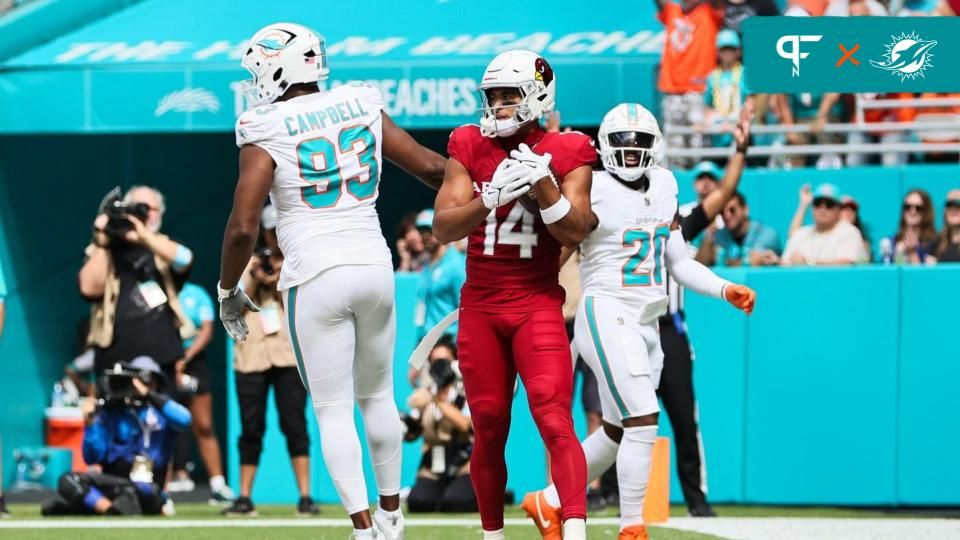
{"x":442,"y":373}
{"x":117,"y":389}
{"x":117,"y":211}
{"x":264,"y":254}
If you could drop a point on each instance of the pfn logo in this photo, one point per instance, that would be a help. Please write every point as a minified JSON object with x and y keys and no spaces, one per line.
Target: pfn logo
{"x":794,"y":54}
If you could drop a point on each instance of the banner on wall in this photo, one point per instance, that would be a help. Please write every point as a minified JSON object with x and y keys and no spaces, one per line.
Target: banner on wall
{"x":852,"y":54}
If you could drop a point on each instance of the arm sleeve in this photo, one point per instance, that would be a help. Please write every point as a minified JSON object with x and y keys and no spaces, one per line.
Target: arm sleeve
{"x":458,"y":147}
{"x":694,"y":223}
{"x":94,"y":442}
{"x":178,"y":415}
{"x":689,"y":272}
{"x":578,"y":151}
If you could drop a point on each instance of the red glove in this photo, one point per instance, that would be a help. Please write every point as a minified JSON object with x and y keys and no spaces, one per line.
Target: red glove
{"x":741,"y":297}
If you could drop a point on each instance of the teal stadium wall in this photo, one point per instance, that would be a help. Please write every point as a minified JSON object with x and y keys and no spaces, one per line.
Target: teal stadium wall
{"x":837,"y":394}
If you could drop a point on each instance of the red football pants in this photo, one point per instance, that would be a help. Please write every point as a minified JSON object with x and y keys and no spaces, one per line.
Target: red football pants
{"x":493,"y":349}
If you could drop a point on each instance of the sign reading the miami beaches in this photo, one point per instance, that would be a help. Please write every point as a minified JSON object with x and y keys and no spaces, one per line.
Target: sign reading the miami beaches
{"x":852,"y":54}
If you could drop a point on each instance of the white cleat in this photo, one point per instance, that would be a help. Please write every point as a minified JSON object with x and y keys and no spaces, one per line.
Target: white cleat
{"x":390,"y":525}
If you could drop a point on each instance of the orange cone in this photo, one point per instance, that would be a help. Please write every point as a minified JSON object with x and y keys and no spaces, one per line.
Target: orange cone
{"x":656,"y":504}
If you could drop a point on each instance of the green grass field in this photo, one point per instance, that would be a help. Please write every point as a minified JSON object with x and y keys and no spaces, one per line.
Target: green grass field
{"x":220,"y":527}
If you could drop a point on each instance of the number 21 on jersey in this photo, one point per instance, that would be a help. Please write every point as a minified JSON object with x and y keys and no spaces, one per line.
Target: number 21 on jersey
{"x":637,"y":271}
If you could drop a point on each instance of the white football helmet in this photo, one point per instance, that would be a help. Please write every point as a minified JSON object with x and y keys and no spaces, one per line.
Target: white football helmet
{"x":279,"y":56}
{"x":526,"y":71}
{"x":630,"y":141}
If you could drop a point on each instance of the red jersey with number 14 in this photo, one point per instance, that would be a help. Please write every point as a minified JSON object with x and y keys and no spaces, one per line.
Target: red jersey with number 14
{"x":513,"y":261}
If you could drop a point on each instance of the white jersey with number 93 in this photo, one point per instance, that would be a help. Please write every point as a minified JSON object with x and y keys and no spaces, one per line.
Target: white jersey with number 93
{"x":327,"y":150}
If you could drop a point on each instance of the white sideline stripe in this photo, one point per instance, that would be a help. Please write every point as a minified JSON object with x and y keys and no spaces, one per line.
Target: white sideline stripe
{"x":241,"y":523}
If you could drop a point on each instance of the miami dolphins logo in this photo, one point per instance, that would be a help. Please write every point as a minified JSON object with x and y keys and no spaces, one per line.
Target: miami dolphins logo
{"x":908,"y":56}
{"x":275,"y":41}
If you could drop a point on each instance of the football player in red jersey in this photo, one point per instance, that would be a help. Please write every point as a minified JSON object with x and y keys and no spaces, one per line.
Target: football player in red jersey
{"x":510,"y":306}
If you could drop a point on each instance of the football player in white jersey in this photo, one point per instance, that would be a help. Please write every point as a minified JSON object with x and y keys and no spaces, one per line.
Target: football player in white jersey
{"x":319,"y":154}
{"x":623,"y":276}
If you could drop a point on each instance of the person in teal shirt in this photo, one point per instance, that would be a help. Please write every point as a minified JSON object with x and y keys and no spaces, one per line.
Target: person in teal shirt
{"x":743,"y":241}
{"x":726,"y":87}
{"x":193,"y":381}
{"x":438,"y":292}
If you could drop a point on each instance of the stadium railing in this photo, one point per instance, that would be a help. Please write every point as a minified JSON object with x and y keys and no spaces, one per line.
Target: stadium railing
{"x":939,"y":127}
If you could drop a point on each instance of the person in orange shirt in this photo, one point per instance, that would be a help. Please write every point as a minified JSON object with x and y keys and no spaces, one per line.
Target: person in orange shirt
{"x":689,"y":55}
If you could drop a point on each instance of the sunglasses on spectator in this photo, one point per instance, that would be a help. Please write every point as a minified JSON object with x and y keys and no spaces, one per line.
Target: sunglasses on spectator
{"x":823,"y":201}
{"x":953,"y":203}
{"x":439,"y":358}
{"x":908,"y":206}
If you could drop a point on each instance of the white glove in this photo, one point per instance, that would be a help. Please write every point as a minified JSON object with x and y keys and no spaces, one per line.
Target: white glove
{"x":510,"y":181}
{"x":232,"y":306}
{"x":540,"y":165}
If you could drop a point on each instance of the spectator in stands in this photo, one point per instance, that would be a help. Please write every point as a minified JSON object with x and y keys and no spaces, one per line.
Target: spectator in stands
{"x":743,"y":241}
{"x":439,"y":412}
{"x":410,"y":245}
{"x":737,"y":11}
{"x":193,"y":391}
{"x":726,"y":88}
{"x":855,"y":8}
{"x":266,"y":359}
{"x":130,"y":277}
{"x":916,"y":232}
{"x":814,"y":111}
{"x":438,"y":292}
{"x":689,"y":55}
{"x":129,"y":437}
{"x":946,"y":248}
{"x":948,"y":8}
{"x":941,"y":114}
{"x":892,"y":114}
{"x":850,"y":212}
{"x":805,"y":8}
{"x":830,"y":240}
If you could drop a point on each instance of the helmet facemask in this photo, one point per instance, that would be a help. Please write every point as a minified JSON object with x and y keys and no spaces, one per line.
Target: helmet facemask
{"x":494,"y":127}
{"x":628,"y":154}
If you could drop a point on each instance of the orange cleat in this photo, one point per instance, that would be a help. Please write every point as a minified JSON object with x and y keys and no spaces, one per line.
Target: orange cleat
{"x":634,"y":532}
{"x":544,"y":516}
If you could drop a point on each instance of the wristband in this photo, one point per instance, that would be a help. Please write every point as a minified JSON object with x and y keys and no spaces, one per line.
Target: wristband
{"x":223,"y":294}
{"x":556,"y":212}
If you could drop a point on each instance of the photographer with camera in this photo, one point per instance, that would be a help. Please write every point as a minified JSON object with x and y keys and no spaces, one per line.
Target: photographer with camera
{"x":130,"y":277}
{"x":441,"y":415}
{"x":129,"y":436}
{"x":263,"y":360}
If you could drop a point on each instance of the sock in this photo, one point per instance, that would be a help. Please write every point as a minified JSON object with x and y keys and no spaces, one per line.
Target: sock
{"x":494,"y":535}
{"x":217,"y":483}
{"x":575,"y":529}
{"x":633,"y":472}
{"x":363,"y":533}
{"x":601,"y":453}
{"x":340,"y":447}
{"x":384,"y":439}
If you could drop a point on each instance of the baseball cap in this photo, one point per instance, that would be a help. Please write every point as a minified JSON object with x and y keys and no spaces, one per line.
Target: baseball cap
{"x":709,"y":168}
{"x":424,"y":219}
{"x":847,"y":200}
{"x":144,"y":363}
{"x":827,"y":191}
{"x":268,"y":217}
{"x":728,"y":38}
